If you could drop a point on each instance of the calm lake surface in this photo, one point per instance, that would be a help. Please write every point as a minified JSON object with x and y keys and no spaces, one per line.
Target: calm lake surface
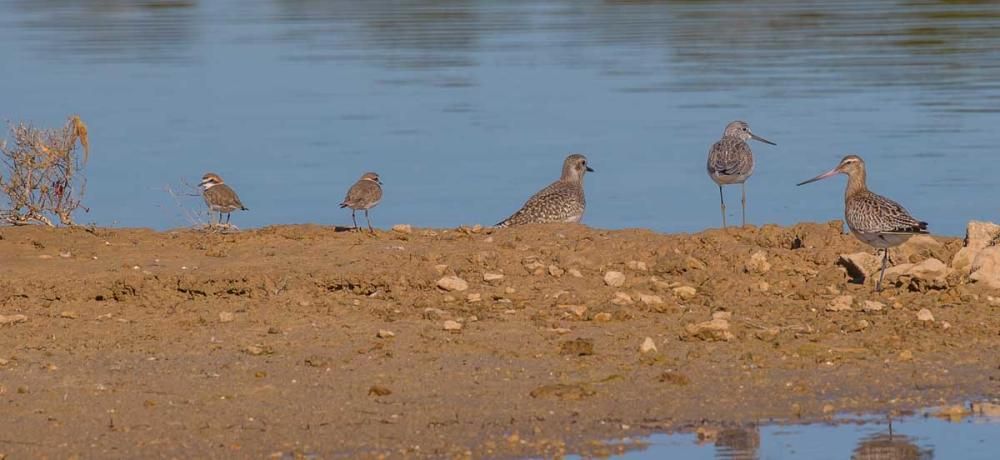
{"x":857,"y":438}
{"x":466,"y":108}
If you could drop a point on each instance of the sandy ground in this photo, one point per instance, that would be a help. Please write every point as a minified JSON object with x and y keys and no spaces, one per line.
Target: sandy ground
{"x":135,"y":343}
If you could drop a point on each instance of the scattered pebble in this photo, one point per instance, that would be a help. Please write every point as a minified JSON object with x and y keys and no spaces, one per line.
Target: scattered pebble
{"x":402,"y":228}
{"x":637,"y":265}
{"x":685,"y":292}
{"x":65,"y":255}
{"x":602,"y":317}
{"x":714,"y":330}
{"x":12,"y":319}
{"x":474,"y":297}
{"x":577,"y":347}
{"x":509,"y":290}
{"x":828,"y":408}
{"x":650,"y":299}
{"x":575,"y":273}
{"x":614,"y":279}
{"x":257,"y":350}
{"x":379,"y":390}
{"x":578,"y":310}
{"x":225,"y":317}
{"x":925,"y":315}
{"x":490,"y":277}
{"x":726,"y":315}
{"x":905,"y":355}
{"x":621,"y":298}
{"x":452,"y":325}
{"x":452,"y":283}
{"x":872,"y":306}
{"x":648,"y":346}
{"x":840,"y":303}
{"x":556,"y":271}
{"x":68,"y":315}
{"x":758,"y":263}
{"x":385,"y":334}
{"x":441,"y":268}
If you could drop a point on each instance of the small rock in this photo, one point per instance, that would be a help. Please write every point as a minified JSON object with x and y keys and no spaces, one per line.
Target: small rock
{"x":65,"y":255}
{"x":828,"y":408}
{"x":621,"y":298}
{"x":726,"y":315}
{"x":614,"y":279}
{"x":379,"y":390}
{"x":577,"y":347}
{"x":945,"y":325}
{"x":840,"y":303}
{"x":490,"y":277}
{"x":434,"y":313}
{"x":905,"y":355}
{"x":602,"y":317}
{"x":441,"y":268}
{"x":929,"y":274}
{"x":257,"y":350}
{"x":474,"y":297}
{"x":650,"y":299}
{"x":987,"y":409}
{"x":385,"y":334}
{"x":452,"y":283}
{"x":637,"y":265}
{"x":402,"y":228}
{"x":68,"y":315}
{"x":952,"y":413}
{"x":925,"y":315}
{"x":648,"y":346}
{"x":575,"y":273}
{"x":509,"y":290}
{"x":714,"y":330}
{"x":758,"y":263}
{"x":860,"y":265}
{"x":12,"y":319}
{"x":872,"y":306}
{"x":859,"y":326}
{"x":675,"y":378}
{"x":985,"y":267}
{"x":685,"y":292}
{"x":694,"y":264}
{"x":578,"y":310}
{"x":556,"y":271}
{"x":226,"y":317}
{"x":452,"y":326}
{"x":761,"y":286}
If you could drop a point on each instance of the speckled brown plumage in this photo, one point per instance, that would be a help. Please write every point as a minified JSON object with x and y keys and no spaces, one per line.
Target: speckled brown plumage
{"x":730,"y":161}
{"x":561,"y":201}
{"x":364,"y":194}
{"x":219,"y":197}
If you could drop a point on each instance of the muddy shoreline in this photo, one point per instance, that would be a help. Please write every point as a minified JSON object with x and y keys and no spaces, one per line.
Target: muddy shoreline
{"x":305,"y":340}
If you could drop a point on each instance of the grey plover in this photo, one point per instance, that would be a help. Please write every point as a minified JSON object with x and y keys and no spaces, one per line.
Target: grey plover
{"x":873,"y":219}
{"x":220,"y":197}
{"x":364,"y":194}
{"x":730,"y":161}
{"x":561,"y":201}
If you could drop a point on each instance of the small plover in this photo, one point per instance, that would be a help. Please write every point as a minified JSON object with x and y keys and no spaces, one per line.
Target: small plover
{"x":730,"y":161}
{"x":220,"y":197}
{"x":364,"y":194}
{"x":561,"y":201}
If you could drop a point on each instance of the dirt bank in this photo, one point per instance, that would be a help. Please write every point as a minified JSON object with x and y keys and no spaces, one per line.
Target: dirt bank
{"x":135,"y":343}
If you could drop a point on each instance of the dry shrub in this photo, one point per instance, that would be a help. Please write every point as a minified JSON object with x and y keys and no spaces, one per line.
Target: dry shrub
{"x":40,"y":175}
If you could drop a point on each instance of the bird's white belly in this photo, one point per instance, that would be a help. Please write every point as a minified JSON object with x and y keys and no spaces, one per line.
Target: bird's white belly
{"x":729,"y":180}
{"x":882,"y":240}
{"x":574,"y":218}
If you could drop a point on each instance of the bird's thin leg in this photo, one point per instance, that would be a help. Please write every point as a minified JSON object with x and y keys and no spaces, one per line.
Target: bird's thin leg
{"x":722,"y":204}
{"x":354,"y":219}
{"x":369,"y":222}
{"x":885,"y":258}
{"x":220,"y":218}
{"x":228,"y":215}
{"x":743,"y":186}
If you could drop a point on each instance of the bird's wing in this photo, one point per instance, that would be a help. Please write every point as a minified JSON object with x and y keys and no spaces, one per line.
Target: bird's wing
{"x":730,"y":157}
{"x":872,"y":213}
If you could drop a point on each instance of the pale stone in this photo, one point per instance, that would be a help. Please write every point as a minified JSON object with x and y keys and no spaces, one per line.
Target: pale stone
{"x":226,"y":317}
{"x":556,"y":271}
{"x":860,"y":265}
{"x":872,"y":306}
{"x":385,"y":334}
{"x":685,"y":292}
{"x":402,"y":228}
{"x":840,"y":303}
{"x":575,"y":273}
{"x":648,"y":346}
{"x":758,"y":263}
{"x":637,"y":265}
{"x":621,"y":298}
{"x":490,"y":277}
{"x":650,"y":299}
{"x":452,"y":325}
{"x":714,"y":330}
{"x":614,"y":279}
{"x":602,"y":317}
{"x":985,"y":267}
{"x":925,"y":315}
{"x":474,"y":297}
{"x":452,"y":283}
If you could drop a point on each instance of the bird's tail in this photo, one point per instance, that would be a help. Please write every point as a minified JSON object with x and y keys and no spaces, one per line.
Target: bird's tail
{"x":503,"y":224}
{"x":244,"y":208}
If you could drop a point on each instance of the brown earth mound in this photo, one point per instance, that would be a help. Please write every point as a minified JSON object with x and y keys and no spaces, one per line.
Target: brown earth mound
{"x":302,"y":340}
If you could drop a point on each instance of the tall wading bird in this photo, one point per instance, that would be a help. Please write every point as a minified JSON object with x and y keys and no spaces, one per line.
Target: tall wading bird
{"x":220,"y":197}
{"x":873,"y":219}
{"x":364,"y":194}
{"x":730,"y":161}
{"x":561,"y":201}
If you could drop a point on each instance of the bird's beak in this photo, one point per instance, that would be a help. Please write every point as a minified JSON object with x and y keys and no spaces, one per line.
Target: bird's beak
{"x":203,"y":183}
{"x":589,"y":169}
{"x":378,"y":181}
{"x":758,"y":138}
{"x":829,"y":173}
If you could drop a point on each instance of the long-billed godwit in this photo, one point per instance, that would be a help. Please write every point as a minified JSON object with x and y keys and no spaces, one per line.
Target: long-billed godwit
{"x":561,"y":201}
{"x":872,"y":218}
{"x":730,"y":161}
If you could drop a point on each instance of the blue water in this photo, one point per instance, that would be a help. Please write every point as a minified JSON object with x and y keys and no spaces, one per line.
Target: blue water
{"x":465,"y":108}
{"x":912,"y":438}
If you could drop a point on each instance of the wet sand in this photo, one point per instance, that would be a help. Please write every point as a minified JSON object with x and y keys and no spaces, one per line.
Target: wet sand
{"x":135,"y":343}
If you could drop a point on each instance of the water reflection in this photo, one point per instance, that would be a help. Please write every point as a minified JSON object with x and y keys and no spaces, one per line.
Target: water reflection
{"x":738,"y":443}
{"x":889,"y":446}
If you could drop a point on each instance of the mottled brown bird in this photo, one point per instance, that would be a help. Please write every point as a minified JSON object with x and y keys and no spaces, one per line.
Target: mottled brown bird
{"x":730,"y":161}
{"x":220,"y":197}
{"x":872,"y":218}
{"x":561,"y":201}
{"x":364,"y":194}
